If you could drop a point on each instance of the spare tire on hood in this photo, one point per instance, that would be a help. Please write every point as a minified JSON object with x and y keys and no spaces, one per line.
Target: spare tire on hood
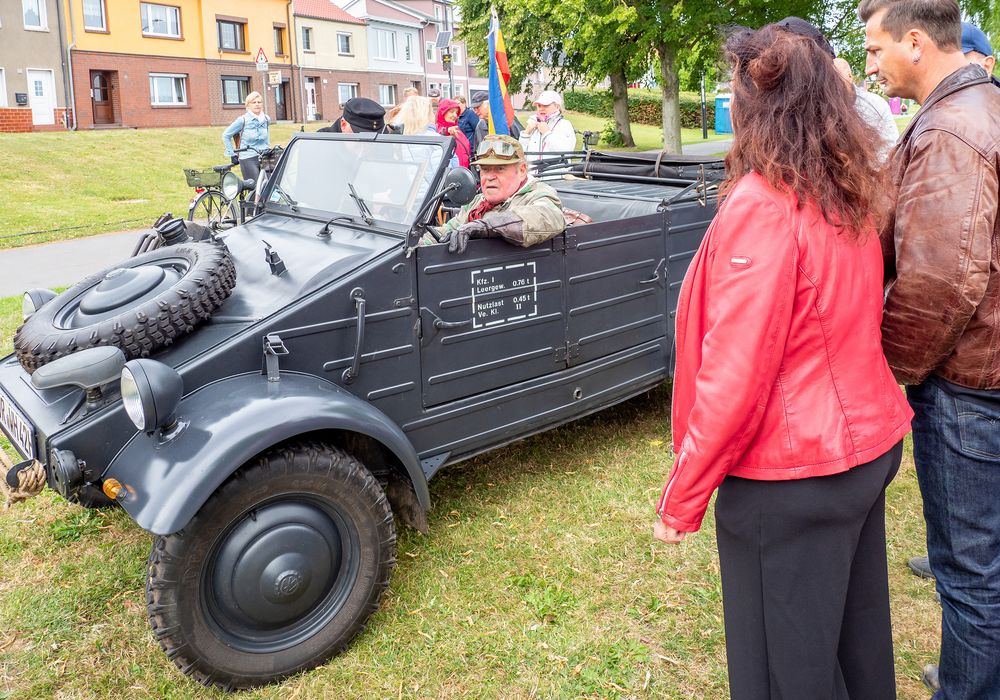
{"x":139,"y":305}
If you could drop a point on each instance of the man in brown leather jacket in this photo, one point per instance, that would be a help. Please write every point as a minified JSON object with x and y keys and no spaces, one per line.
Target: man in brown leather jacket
{"x":941,"y":326}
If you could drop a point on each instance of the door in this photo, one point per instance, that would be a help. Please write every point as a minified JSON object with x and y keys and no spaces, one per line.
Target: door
{"x":311,"y":99}
{"x":279,"y":102}
{"x":42,"y":96}
{"x":616,"y":286}
{"x":489,"y":318}
{"x":100,"y":97}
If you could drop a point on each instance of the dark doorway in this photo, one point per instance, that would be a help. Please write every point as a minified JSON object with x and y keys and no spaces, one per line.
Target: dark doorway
{"x":280,"y":93}
{"x":100,"y":96}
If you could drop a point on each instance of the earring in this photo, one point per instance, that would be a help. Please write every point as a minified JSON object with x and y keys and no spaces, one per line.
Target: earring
{"x":915,"y":59}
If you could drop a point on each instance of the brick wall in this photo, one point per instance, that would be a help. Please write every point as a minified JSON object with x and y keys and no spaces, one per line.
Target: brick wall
{"x":225,"y":114}
{"x":15,"y":119}
{"x":130,"y":89}
{"x":327,"y":96}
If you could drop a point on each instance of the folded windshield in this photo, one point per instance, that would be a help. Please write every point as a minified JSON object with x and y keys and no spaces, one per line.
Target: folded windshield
{"x":392,"y":178}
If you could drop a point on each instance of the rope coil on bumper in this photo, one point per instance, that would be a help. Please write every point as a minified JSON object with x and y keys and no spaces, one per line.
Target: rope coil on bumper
{"x":29,"y":479}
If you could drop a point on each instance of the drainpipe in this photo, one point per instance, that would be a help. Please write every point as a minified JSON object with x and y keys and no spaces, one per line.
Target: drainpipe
{"x":68,"y":72}
{"x":293,"y":55}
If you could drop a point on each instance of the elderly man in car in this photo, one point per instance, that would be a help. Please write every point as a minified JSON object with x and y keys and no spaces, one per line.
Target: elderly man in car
{"x":512,"y":206}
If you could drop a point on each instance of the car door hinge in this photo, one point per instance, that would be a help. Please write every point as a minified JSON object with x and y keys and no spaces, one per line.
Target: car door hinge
{"x":274,"y":347}
{"x":567,"y":352}
{"x":566,"y":241}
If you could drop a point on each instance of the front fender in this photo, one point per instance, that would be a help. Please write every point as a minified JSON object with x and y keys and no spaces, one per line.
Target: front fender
{"x":224,"y":425}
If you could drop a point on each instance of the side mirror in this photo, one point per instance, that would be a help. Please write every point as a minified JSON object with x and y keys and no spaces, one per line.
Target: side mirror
{"x":460,"y":187}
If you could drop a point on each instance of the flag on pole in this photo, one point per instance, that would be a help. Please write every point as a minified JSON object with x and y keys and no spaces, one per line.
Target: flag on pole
{"x":499,"y":78}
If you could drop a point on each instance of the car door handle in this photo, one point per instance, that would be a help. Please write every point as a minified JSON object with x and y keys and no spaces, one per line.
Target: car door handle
{"x":351,"y":373}
{"x":445,"y":325}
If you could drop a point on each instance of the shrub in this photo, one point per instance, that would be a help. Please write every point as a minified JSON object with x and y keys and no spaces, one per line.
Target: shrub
{"x":643,"y":107}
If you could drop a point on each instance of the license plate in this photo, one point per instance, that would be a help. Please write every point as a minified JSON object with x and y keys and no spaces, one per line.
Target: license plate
{"x":17,"y":427}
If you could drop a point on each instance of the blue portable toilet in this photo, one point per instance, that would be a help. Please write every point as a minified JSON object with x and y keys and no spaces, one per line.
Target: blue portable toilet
{"x":723,"y":121}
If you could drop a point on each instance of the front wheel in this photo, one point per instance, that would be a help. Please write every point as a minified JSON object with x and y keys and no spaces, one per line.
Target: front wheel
{"x":278,"y":571}
{"x":212,"y":210}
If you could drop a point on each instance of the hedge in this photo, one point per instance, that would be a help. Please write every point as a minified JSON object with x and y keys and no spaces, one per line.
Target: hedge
{"x":642,"y":108}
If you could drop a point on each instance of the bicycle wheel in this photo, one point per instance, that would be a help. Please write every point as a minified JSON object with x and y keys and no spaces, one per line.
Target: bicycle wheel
{"x":213,"y":210}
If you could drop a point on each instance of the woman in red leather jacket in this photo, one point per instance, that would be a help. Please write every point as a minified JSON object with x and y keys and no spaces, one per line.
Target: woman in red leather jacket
{"x":782,"y":397}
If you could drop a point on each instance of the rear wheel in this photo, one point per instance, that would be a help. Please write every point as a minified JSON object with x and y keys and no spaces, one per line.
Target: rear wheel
{"x":213,"y":210}
{"x":277,"y":572}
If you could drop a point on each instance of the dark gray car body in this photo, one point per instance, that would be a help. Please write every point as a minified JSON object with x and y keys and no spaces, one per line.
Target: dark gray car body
{"x":457,"y":354}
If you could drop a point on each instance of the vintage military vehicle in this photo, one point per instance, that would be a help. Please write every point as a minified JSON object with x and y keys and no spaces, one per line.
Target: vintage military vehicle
{"x":264,"y":402}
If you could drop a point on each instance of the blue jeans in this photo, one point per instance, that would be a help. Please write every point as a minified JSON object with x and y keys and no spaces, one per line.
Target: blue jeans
{"x":956,"y":448}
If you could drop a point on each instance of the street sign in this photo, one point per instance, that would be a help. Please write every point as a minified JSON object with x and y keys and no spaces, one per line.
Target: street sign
{"x":261,"y":60}
{"x":274,"y":77}
{"x":262,"y":68}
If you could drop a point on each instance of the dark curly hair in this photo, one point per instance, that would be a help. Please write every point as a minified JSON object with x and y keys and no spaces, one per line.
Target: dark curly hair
{"x":795,"y":124}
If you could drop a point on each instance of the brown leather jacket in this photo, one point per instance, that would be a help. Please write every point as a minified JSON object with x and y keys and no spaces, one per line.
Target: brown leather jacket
{"x":942,"y":245}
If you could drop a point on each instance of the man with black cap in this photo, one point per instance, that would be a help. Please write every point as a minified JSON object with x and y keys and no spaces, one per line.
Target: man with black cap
{"x":360,"y":115}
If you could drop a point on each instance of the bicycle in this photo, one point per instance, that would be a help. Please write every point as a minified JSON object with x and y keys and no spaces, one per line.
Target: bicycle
{"x":209,"y":207}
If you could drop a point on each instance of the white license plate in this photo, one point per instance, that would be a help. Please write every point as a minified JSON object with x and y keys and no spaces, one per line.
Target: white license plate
{"x":17,"y":427}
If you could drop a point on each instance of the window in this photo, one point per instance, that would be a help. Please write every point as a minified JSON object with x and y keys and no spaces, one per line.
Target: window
{"x":230,"y":35}
{"x":307,"y":39}
{"x":344,"y":43}
{"x":160,"y":20}
{"x":235,"y":89}
{"x":167,"y":89}
{"x":429,"y":51}
{"x":99,"y":89}
{"x":456,"y":55}
{"x":385,"y":44}
{"x":3,"y":90}
{"x":408,"y":48}
{"x":386,"y":95}
{"x":346,"y":91}
{"x":93,"y":16}
{"x":279,"y":41}
{"x":34,"y":14}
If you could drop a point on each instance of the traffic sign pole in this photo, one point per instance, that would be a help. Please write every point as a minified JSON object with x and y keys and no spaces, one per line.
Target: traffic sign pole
{"x":261,"y":62}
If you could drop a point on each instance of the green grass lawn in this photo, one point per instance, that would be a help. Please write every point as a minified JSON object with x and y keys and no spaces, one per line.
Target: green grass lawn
{"x":539,"y":578}
{"x":72,"y":184}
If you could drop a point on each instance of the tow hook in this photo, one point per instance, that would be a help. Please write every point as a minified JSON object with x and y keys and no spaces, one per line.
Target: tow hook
{"x":21,"y":481}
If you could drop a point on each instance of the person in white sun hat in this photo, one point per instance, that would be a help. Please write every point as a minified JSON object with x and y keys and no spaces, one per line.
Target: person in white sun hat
{"x":547,"y":130}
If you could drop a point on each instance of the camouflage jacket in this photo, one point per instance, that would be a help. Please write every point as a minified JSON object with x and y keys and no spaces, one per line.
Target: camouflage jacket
{"x":532,"y":215}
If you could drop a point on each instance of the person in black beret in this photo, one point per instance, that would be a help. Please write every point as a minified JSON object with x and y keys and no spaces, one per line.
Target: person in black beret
{"x":360,"y":115}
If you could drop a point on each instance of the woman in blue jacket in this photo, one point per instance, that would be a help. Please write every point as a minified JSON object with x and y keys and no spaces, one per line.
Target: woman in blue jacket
{"x":252,"y":128}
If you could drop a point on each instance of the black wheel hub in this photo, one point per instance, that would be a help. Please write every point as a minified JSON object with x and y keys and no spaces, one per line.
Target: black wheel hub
{"x":280,"y":574}
{"x":120,"y":288}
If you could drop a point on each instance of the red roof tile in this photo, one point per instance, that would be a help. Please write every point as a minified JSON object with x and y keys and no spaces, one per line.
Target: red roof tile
{"x":323,"y":9}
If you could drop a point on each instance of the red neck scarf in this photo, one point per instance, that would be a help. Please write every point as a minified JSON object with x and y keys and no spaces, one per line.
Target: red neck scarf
{"x":484,"y":206}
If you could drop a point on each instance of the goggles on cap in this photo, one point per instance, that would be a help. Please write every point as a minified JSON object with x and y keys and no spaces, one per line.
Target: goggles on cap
{"x":501,"y":149}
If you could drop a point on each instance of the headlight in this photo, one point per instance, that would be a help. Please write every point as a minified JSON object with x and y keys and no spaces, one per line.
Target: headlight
{"x":33,"y":300}
{"x":231,"y":184}
{"x":150,"y":391}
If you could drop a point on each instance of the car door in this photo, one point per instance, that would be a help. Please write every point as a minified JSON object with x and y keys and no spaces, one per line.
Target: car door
{"x":615,"y":285}
{"x":489,"y":318}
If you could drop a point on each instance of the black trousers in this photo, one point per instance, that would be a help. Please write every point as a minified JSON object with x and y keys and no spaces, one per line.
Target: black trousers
{"x":250,"y":167}
{"x":805,"y":585}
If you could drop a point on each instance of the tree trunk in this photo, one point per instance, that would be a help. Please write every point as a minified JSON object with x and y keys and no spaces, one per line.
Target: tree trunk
{"x":619,"y":95}
{"x":671,"y":98}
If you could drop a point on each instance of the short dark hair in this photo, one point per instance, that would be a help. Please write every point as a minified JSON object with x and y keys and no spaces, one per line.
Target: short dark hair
{"x":940,"y":19}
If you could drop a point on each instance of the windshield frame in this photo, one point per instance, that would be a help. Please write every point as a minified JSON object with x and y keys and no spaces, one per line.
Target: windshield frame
{"x":447,"y":144}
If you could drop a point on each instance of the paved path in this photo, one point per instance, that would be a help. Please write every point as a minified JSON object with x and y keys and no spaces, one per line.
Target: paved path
{"x":61,"y":263}
{"x":706,"y":148}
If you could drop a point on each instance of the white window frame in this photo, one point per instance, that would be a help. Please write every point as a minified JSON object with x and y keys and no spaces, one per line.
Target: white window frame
{"x":350,"y":43}
{"x":104,"y":17}
{"x":430,"y":52}
{"x":352,"y":89}
{"x":173,"y":76}
{"x":456,"y":55}
{"x":3,"y":89}
{"x":390,"y":92}
{"x":408,"y":48}
{"x":43,"y":16}
{"x":144,"y":19}
{"x":390,"y":43}
{"x":307,"y":39}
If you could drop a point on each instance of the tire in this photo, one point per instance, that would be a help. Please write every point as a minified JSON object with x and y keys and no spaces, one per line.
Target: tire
{"x":212,"y":210}
{"x":139,"y":305}
{"x":278,"y":571}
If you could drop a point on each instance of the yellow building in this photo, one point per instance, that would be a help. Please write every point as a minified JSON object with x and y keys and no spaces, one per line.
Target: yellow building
{"x":188,"y":62}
